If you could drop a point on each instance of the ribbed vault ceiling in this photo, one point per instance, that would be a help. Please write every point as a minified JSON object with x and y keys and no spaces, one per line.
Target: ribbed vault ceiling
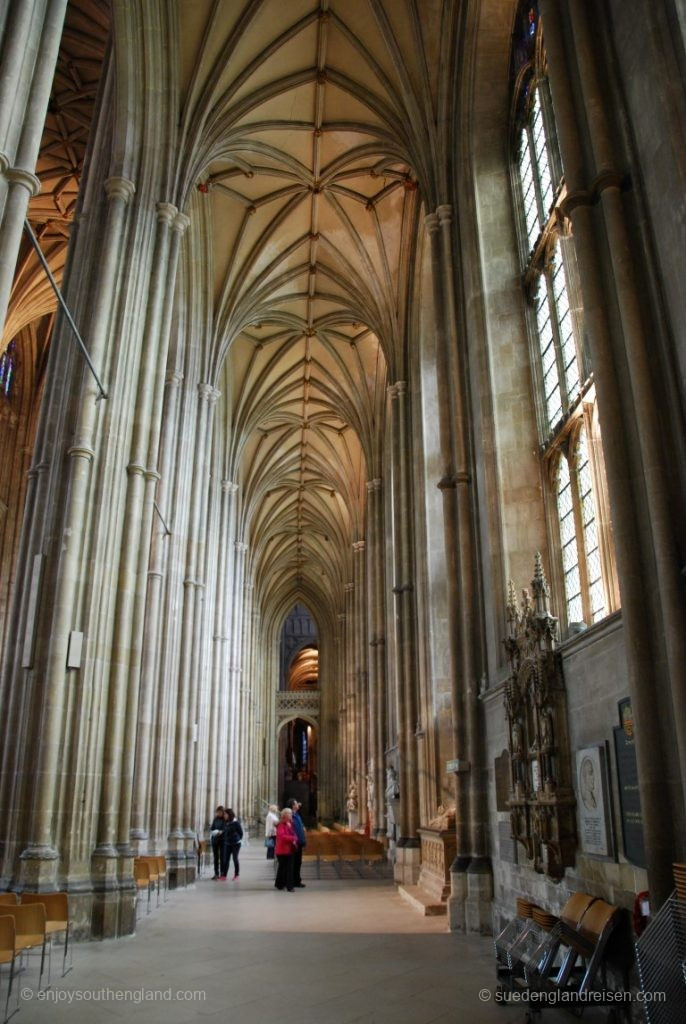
{"x":307,"y":129}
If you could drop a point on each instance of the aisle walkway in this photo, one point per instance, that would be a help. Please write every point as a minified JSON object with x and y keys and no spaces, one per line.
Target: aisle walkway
{"x":336,"y":952}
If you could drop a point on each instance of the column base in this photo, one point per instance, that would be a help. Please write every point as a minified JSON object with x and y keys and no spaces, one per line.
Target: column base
{"x":470,"y":904}
{"x":407,"y":862}
{"x":181,"y":861}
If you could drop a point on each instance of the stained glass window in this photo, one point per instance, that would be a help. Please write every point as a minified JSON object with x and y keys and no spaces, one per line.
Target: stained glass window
{"x":7,"y":368}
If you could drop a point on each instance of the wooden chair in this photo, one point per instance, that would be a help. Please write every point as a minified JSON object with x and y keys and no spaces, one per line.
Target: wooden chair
{"x":56,"y":919}
{"x":154,"y":875}
{"x":162,"y":874}
{"x":8,"y":954}
{"x":8,"y":899}
{"x":31,"y":932}
{"x":141,"y":877}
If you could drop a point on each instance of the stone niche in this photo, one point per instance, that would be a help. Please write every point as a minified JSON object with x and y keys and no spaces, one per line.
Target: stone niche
{"x":541,"y":799}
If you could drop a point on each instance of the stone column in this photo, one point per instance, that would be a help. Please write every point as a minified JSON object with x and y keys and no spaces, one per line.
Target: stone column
{"x":21,"y":180}
{"x":245,"y":720}
{"x":150,"y":698}
{"x":179,"y":840}
{"x":628,"y":410}
{"x":467,"y":622}
{"x":241,"y":549}
{"x":120,"y":729}
{"x":79,"y":471}
{"x":350,"y":703}
{"x":198,"y":669}
{"x":360,"y":672}
{"x":217,"y":753}
{"x":408,"y":849}
{"x":377,"y":665}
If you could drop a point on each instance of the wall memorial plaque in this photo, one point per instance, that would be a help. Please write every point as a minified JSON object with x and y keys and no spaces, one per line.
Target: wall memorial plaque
{"x":507,"y":846}
{"x":593,"y":791}
{"x":503,"y":781}
{"x":629,"y":798}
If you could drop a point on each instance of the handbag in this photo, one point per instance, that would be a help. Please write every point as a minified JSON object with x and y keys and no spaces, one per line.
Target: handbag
{"x":270,"y":842}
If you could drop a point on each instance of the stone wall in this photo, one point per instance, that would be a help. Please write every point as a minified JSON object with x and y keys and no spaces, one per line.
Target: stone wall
{"x":595,"y":679}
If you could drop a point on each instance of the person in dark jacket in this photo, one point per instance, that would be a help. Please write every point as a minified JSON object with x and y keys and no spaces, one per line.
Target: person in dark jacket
{"x":233,"y":835}
{"x":216,"y":833}
{"x":299,"y":828}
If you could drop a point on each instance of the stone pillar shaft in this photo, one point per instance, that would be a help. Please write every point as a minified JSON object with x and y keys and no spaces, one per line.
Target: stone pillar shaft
{"x":405,"y":618}
{"x":122,"y":711}
{"x":184,"y":705}
{"x":635,"y":472}
{"x":81,"y":454}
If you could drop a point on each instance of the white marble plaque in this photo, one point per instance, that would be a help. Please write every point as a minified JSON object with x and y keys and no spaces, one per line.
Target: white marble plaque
{"x":592,"y":801}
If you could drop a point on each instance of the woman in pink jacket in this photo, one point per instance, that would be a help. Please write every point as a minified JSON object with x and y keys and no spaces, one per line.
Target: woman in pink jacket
{"x":286,"y":845}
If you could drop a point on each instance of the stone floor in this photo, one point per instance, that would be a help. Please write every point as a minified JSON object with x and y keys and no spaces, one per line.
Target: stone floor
{"x":336,"y":952}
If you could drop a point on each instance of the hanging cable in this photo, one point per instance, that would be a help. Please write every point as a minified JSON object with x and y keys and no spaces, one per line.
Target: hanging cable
{"x":53,"y":282}
{"x":166,"y":528}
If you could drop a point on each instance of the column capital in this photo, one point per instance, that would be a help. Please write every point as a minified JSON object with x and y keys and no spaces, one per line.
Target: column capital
{"x":230,"y":486}
{"x":19,"y":176}
{"x":358,"y":546}
{"x":119,"y":188}
{"x":166,"y":212}
{"x":349,"y":587}
{"x":181,"y":223}
{"x":240,"y":546}
{"x":374,"y":485}
{"x":400,"y":387}
{"x":175,"y":379}
{"x":209,"y":393}
{"x":445,"y":213}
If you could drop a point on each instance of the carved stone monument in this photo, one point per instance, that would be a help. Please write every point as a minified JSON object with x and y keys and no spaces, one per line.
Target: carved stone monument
{"x":541,"y":796}
{"x":439,"y":848}
{"x":351,"y":805}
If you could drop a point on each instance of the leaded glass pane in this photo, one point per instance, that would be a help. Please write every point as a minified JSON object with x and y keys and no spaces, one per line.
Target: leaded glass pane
{"x":551,"y":379}
{"x":528,"y":190}
{"x":541,"y":154}
{"x":564,"y":318}
{"x":590,"y":526}
{"x":570,"y":554}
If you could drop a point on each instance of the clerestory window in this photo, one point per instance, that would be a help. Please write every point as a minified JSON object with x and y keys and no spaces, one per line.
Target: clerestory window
{"x":569,"y":433}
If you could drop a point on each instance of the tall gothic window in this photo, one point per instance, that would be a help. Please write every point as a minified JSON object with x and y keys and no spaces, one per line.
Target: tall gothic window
{"x":570,"y":445}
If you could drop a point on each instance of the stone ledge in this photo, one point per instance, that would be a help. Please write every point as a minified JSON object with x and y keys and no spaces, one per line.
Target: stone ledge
{"x":419,"y":900}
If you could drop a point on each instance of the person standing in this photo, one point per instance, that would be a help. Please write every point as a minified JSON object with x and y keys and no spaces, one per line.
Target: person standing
{"x":233,"y":835}
{"x":299,"y":829}
{"x":271,"y":821}
{"x":286,"y":843}
{"x":216,"y":833}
